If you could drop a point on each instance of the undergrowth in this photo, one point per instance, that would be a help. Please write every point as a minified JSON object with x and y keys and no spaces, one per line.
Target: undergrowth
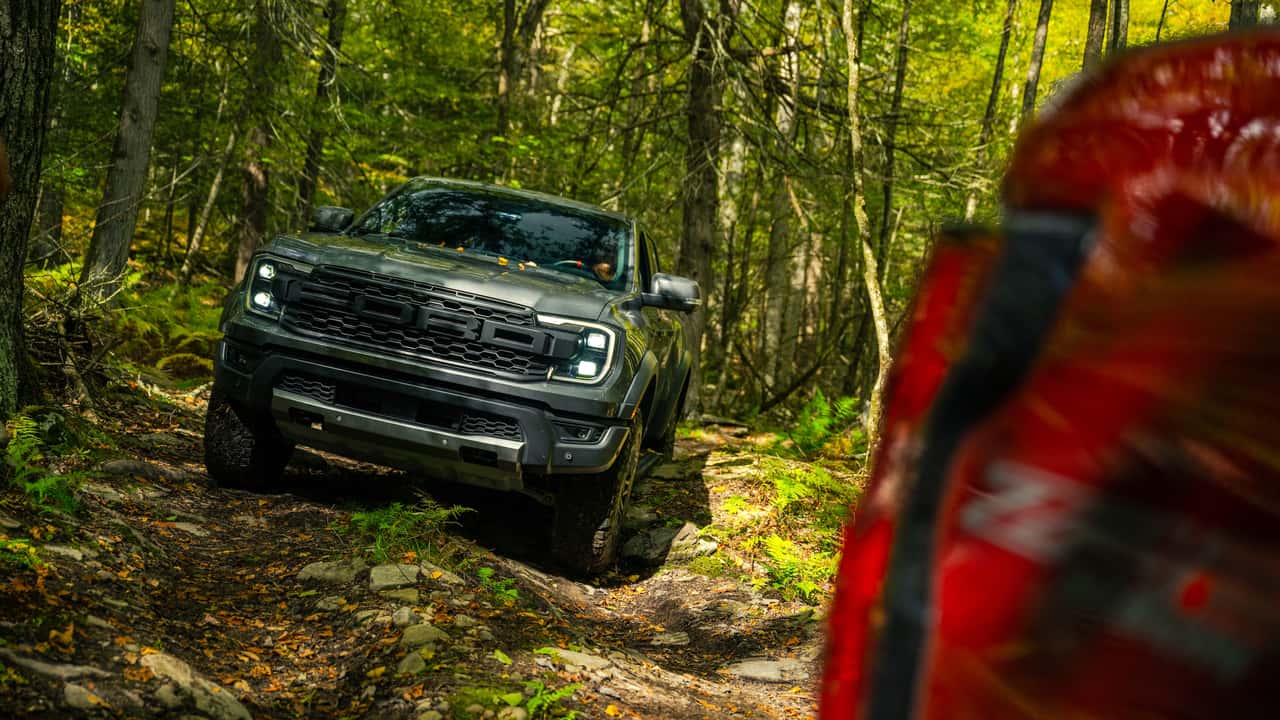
{"x":398,"y":531}
{"x":26,"y":465}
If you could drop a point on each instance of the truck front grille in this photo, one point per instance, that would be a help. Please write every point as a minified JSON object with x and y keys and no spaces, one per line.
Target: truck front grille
{"x":330,"y":308}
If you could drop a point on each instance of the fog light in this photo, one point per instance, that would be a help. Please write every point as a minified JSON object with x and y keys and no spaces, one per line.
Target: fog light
{"x":266,"y":271}
{"x":587,"y":368}
{"x":597,"y":341}
{"x":262,"y":299}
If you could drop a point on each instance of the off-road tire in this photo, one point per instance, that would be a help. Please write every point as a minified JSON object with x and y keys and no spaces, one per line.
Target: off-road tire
{"x":242,"y":450}
{"x":589,"y":508}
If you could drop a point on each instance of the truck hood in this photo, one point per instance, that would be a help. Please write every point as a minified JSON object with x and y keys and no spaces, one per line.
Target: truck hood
{"x":546,"y":291}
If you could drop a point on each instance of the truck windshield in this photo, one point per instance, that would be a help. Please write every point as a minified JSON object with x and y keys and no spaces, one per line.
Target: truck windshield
{"x":520,"y":229}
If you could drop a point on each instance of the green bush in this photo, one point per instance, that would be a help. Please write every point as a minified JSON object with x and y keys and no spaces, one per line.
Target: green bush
{"x":391,"y":532}
{"x":827,"y":428}
{"x":796,"y":574}
{"x":24,"y":458}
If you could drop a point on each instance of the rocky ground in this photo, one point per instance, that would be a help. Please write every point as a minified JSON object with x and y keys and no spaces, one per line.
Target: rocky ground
{"x":165,"y":597}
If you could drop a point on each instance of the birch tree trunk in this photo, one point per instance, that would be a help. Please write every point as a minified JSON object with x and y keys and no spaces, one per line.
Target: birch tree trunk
{"x":870,"y":273}
{"x":126,"y":179}
{"x":993,"y":100}
{"x":197,"y":234}
{"x":27,"y":40}
{"x":1037,"y":59}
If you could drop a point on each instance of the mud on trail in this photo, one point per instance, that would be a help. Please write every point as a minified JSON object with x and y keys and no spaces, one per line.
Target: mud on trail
{"x":165,"y":597}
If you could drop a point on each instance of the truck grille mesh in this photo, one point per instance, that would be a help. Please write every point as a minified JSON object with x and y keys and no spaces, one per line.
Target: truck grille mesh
{"x":451,"y":418}
{"x":344,"y":326}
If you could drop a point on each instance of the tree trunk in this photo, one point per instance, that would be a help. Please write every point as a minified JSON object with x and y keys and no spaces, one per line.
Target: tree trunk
{"x":705,"y":35}
{"x":255,"y":203}
{"x":518,"y":29}
{"x":27,"y":39}
{"x":198,"y":228}
{"x":1097,"y":33}
{"x":777,"y":358}
{"x":993,"y":100}
{"x":335,"y":14}
{"x":1164,"y":13}
{"x":891,"y":125}
{"x":1118,"y":32}
{"x":1037,"y":59}
{"x":1244,"y":13}
{"x":126,"y":179}
{"x":870,"y":274}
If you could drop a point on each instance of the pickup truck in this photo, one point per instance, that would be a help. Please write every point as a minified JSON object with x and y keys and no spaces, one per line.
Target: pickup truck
{"x":465,"y":332}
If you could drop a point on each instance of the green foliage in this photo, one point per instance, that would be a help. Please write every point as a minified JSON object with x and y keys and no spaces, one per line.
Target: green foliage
{"x":795,"y":573}
{"x":44,"y":489}
{"x":810,"y":493}
{"x":828,"y":428}
{"x":392,"y":532}
{"x":503,"y":589}
{"x":544,"y":702}
{"x":18,"y":554}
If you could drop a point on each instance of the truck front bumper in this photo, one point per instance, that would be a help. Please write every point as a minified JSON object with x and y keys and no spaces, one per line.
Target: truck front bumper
{"x":412,"y":423}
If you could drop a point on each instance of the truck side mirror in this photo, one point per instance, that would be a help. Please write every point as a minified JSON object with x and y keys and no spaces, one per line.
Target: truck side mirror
{"x":672,"y":292}
{"x":327,"y":218}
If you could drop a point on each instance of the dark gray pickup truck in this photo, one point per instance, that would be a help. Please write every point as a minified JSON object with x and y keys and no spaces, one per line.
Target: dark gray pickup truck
{"x":463,"y":331}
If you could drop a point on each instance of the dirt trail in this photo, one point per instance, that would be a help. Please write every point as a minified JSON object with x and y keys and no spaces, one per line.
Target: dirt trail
{"x":192,"y":601}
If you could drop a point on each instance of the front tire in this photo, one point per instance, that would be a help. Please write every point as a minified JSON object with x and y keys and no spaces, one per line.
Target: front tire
{"x":242,"y":450}
{"x":588,"y":517}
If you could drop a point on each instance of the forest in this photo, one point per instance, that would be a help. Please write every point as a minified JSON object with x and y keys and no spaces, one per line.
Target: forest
{"x":725,"y":128}
{"x":796,"y":159}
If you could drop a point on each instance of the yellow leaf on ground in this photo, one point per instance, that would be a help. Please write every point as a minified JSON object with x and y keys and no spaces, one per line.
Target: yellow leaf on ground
{"x":612,"y":711}
{"x":376,"y":673}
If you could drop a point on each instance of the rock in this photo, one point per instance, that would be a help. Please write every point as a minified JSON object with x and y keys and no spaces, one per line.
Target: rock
{"x":430,"y":715}
{"x":668,"y":471}
{"x":475,"y":710}
{"x":686,"y":545}
{"x":409,"y":596}
{"x":167,"y":696}
{"x":330,"y":603}
{"x":462,"y":622}
{"x":403,"y":617}
{"x":97,"y":622}
{"x":79,"y":697}
{"x":64,"y":551}
{"x":670,"y":639}
{"x":439,"y":574}
{"x":573,"y":660}
{"x":209,"y":698}
{"x":190,"y":528}
{"x":102,"y":492}
{"x":337,"y":572}
{"x":513,"y":713}
{"x":649,"y":548}
{"x":732,"y":608}
{"x":422,"y":634}
{"x":125,"y":467}
{"x":368,"y":617}
{"x":412,"y":664}
{"x":773,"y":671}
{"x":639,"y":517}
{"x":8,"y":523}
{"x":250,"y":520}
{"x":392,"y":576}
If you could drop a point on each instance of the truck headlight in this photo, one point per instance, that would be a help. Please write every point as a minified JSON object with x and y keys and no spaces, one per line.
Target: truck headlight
{"x":594,"y":355}
{"x":269,"y":278}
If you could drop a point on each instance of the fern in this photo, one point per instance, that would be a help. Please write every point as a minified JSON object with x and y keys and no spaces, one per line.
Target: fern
{"x":45,"y":490}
